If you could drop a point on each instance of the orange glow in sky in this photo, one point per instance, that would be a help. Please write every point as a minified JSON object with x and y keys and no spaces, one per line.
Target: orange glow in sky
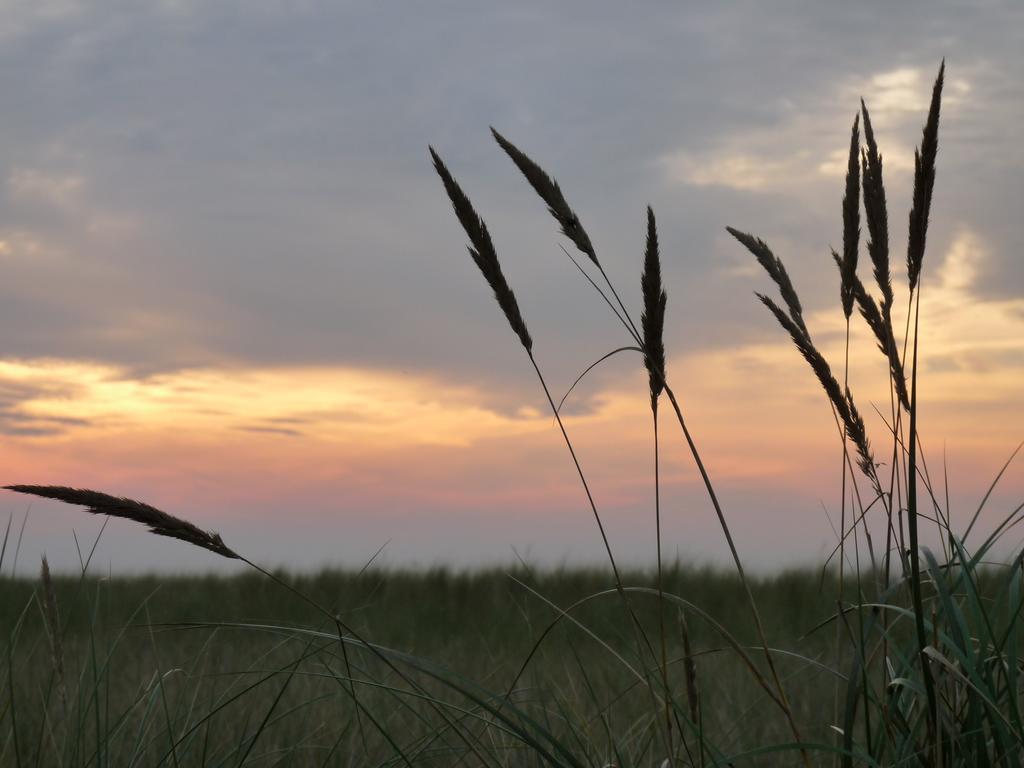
{"x":358,"y":438}
{"x":231,"y":283}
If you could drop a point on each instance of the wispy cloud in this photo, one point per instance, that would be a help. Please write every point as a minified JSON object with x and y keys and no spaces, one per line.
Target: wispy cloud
{"x":372,"y":408}
{"x":804,"y":142}
{"x":724,"y":169}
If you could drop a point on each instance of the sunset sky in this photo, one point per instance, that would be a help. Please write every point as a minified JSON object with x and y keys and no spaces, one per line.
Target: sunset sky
{"x":232,"y":285}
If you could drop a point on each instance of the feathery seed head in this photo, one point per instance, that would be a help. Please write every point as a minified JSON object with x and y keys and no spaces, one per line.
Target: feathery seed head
{"x":776,"y":271}
{"x":550,"y":193}
{"x":843,"y":403}
{"x":851,"y":221}
{"x":857,"y":433}
{"x":160,"y":523}
{"x":881,"y":326}
{"x":653,"y":317}
{"x":875,"y":212}
{"x":481,"y":249}
{"x":924,"y":182}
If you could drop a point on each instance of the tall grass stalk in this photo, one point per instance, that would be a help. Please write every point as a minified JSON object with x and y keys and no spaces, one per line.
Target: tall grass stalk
{"x":848,"y":275}
{"x":653,"y":323}
{"x":924,"y":180}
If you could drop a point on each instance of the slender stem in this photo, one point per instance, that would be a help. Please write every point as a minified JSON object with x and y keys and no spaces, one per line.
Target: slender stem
{"x":641,"y":635}
{"x":579,"y":471}
{"x":842,"y":534}
{"x":915,"y":564}
{"x":903,"y":456}
{"x":891,"y":539}
{"x":630,"y":328}
{"x":661,"y":590}
{"x":783,"y":700}
{"x":625,"y":312}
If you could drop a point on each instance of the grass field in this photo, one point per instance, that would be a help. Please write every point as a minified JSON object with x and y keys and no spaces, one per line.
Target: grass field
{"x":122,"y":635}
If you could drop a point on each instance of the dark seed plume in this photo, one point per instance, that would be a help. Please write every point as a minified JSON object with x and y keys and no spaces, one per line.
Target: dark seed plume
{"x":482,"y":250}
{"x":851,"y":222}
{"x":882,"y":329}
{"x":653,"y":317}
{"x":842,"y":402}
{"x":924,"y":182}
{"x":551,"y":194}
{"x":876,"y":213}
{"x":160,"y":523}
{"x":776,"y":271}
{"x":859,"y":437}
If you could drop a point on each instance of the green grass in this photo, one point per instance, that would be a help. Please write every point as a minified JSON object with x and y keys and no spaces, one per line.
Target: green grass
{"x":481,"y":626}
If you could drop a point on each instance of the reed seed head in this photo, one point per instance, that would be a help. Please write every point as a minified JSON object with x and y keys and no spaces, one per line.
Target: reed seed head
{"x":924,"y":182}
{"x":875,"y":212}
{"x":551,"y":194}
{"x":850,"y":418}
{"x":881,"y":326}
{"x":158,"y":522}
{"x":481,"y":249}
{"x":851,"y":222}
{"x":776,"y":271}
{"x":858,"y":435}
{"x":653,"y":317}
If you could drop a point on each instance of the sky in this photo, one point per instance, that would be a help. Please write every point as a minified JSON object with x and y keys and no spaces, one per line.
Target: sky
{"x":232,"y":285}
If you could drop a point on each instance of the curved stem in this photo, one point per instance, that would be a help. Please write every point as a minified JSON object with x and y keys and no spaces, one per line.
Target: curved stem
{"x":625,"y":312}
{"x":591,"y":367}
{"x":661,"y":588}
{"x":842,"y":534}
{"x":915,"y":564}
{"x":783,"y":700}
{"x":638,"y":627}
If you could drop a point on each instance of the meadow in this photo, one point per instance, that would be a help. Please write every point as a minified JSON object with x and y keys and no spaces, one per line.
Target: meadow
{"x":894,"y":653}
{"x":201,"y":661}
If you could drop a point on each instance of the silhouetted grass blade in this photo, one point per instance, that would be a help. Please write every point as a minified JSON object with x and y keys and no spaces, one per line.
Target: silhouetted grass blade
{"x":158,"y":522}
{"x":924,"y":182}
{"x":776,"y":271}
{"x":875,"y":212}
{"x":551,"y":194}
{"x":851,"y":222}
{"x":482,"y":251}
{"x":652,"y":319}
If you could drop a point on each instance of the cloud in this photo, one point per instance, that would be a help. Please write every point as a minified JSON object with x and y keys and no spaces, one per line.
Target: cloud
{"x":372,"y":408}
{"x":269,"y":430}
{"x":60,"y":191}
{"x":736,"y":171}
{"x":805,"y":141}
